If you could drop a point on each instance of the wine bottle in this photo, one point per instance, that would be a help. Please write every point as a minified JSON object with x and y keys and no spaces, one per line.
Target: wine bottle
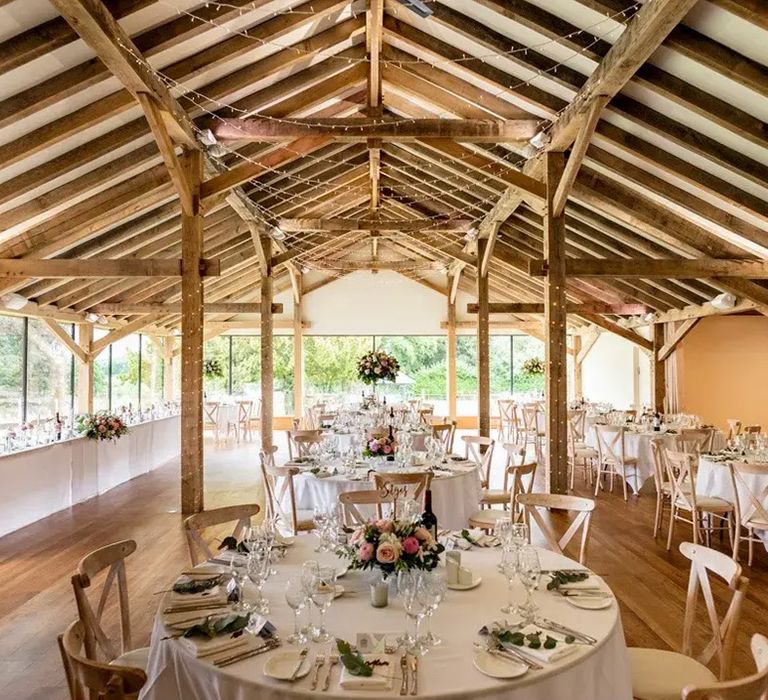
{"x":428,"y":518}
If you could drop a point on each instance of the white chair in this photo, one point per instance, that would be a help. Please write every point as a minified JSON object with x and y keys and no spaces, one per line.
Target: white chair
{"x":749,"y":509}
{"x":279,"y":487}
{"x":211,"y":418}
{"x":661,"y":482}
{"x":577,"y":421}
{"x":696,"y":440}
{"x":490,"y":497}
{"x":661,"y":675}
{"x":195,"y":526}
{"x":579,"y":455}
{"x":445,"y":433}
{"x":473,"y":446}
{"x":402,"y":486}
{"x":298,"y":444}
{"x":613,"y":457}
{"x":244,"y":415}
{"x":507,"y":420}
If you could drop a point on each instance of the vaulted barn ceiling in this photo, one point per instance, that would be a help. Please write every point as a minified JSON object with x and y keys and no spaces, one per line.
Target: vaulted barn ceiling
{"x":677,"y":166}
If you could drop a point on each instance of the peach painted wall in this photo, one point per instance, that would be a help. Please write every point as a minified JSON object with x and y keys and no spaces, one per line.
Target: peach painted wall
{"x":723,"y":370}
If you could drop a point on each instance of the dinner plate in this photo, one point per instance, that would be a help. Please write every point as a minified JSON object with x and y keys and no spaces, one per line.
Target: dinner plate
{"x":497,"y":667}
{"x":342,"y":571}
{"x":285,"y":540}
{"x":466,"y":586}
{"x":590,"y":602}
{"x":281,"y":666}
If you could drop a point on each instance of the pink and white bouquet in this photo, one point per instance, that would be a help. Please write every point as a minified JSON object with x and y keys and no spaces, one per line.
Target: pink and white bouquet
{"x":392,"y":546}
{"x":379,"y":447}
{"x":101,"y":426}
{"x":377,"y":367}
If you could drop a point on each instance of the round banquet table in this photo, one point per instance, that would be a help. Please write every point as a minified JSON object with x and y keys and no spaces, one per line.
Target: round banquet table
{"x":599,"y":672}
{"x":454,"y":497}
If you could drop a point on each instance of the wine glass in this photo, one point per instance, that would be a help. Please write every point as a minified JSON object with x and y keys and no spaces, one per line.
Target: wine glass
{"x":518,"y":535}
{"x":509,"y":569}
{"x":257,"y":569}
{"x":503,"y":530}
{"x":322,"y":592}
{"x":529,"y":573}
{"x":296,"y":597}
{"x":321,"y":525}
{"x":432,"y":587}
{"x":407,"y":587}
{"x":308,"y":570}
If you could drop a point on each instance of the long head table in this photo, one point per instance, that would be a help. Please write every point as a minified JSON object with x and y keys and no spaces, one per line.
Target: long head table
{"x":598,"y":672}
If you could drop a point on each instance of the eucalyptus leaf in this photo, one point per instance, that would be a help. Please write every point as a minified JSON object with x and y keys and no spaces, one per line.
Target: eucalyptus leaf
{"x":560,"y":578}
{"x":197,"y":585}
{"x":353,"y":661}
{"x":214,"y":626}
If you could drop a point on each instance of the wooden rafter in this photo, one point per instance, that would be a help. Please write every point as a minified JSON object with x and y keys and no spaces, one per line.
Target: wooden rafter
{"x":684,"y":269}
{"x":154,"y":267}
{"x":572,"y":308}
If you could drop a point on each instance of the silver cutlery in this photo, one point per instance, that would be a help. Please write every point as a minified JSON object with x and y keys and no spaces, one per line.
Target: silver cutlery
{"x":302,"y":656}
{"x":234,"y":658}
{"x":517,"y":654}
{"x":404,"y":671}
{"x":334,"y":659}
{"x":502,"y":654}
{"x":193,"y":608}
{"x":553,"y":626}
{"x":583,"y":593}
{"x":319,"y":663}
{"x":415,"y":674}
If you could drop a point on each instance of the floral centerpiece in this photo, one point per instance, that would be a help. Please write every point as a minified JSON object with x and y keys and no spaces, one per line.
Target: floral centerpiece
{"x":101,"y":426}
{"x":379,"y":447}
{"x":533,"y":365}
{"x":212,"y":369}
{"x":392,"y":546}
{"x":376,"y":367}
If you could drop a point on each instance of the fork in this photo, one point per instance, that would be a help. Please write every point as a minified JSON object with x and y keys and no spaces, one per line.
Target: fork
{"x":319,"y":663}
{"x":332,"y":661}
{"x":404,"y":670}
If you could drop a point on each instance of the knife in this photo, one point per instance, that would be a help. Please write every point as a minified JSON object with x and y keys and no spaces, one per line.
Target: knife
{"x":415,"y":674}
{"x":302,"y":656}
{"x":234,"y":658}
{"x":404,"y":670}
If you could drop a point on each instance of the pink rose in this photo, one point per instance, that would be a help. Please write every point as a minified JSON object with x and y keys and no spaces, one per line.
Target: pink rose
{"x":356,"y":536}
{"x":386,"y":449}
{"x":365,"y":553}
{"x":384,"y":525}
{"x":411,"y":545}
{"x":387,"y":553}
{"x":102,"y":428}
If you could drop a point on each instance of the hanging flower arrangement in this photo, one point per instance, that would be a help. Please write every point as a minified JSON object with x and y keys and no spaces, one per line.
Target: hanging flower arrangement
{"x":377,"y":367}
{"x":212,"y":369}
{"x":533,"y":366}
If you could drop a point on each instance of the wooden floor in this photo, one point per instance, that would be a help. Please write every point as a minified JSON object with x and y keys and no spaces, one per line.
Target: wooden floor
{"x":36,"y":564}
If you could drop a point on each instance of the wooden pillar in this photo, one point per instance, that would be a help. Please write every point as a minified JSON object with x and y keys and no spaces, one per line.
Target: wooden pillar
{"x":451,"y":352}
{"x":555,"y":330}
{"x":658,"y":370}
{"x":267,"y":362}
{"x":192,"y":479}
{"x":168,"y":346}
{"x":298,"y":356}
{"x":483,"y":347}
{"x":578,"y":376}
{"x":84,"y":402}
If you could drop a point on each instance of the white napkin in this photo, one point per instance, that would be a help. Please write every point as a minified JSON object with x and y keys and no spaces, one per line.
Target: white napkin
{"x":380,"y":680}
{"x":545,"y":656}
{"x":203,"y":646}
{"x":212,"y":596}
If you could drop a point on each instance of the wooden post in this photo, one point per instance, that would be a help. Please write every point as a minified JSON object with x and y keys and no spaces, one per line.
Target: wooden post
{"x":192,"y":343}
{"x":267,"y":363}
{"x":451,"y":351}
{"x":658,"y":369}
{"x":298,"y":356}
{"x":169,"y":345}
{"x":555,"y":327}
{"x":85,"y":370}
{"x":578,"y":376}
{"x":483,"y":347}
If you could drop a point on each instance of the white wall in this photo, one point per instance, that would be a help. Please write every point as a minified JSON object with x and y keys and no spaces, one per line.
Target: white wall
{"x":615,"y":372}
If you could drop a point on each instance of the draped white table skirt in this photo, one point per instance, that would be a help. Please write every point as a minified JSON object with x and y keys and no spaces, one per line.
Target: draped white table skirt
{"x":43,"y":480}
{"x":454,"y":498}
{"x":599,"y":672}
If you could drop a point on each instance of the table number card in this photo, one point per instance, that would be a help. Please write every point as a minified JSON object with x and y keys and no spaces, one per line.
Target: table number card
{"x":371,"y":643}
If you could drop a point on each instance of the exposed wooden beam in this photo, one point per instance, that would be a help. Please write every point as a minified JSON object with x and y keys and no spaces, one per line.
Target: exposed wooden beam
{"x":451,"y":353}
{"x":267,"y":355}
{"x":357,"y":129}
{"x":119,"y":267}
{"x":676,"y":337}
{"x":341,"y":224}
{"x":233,"y":308}
{"x":571,"y":308}
{"x":615,"y":328}
{"x":396,"y":265}
{"x":118,"y":334}
{"x":701,"y":311}
{"x":67,"y":340}
{"x":658,"y":370}
{"x":85,"y":376}
{"x":452,"y":251}
{"x":483,"y":350}
{"x":587,"y":343}
{"x":648,"y":268}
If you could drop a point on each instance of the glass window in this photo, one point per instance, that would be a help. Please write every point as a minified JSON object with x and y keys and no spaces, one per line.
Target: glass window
{"x":101,"y":395}
{"x":466,"y":375}
{"x":525,"y":348}
{"x":217,"y":349}
{"x":282,"y":357}
{"x":500,"y":367}
{"x":151,"y":373}
{"x":11,"y":368}
{"x":125,"y":373}
{"x":49,"y":374}
{"x":330,"y":365}
{"x":246,"y":365}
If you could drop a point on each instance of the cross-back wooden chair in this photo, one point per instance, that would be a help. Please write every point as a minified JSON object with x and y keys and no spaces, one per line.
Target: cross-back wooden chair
{"x":326,"y":420}
{"x":696,"y":440}
{"x":507,"y":420}
{"x":577,"y":420}
{"x":750,"y":511}
{"x":445,"y":433}
{"x":515,"y":454}
{"x":425,"y":414}
{"x":402,"y":486}
{"x":519,"y":480}
{"x":658,"y":673}
{"x":98,"y":646}
{"x":661,"y":481}
{"x":689,"y":507}
{"x":350,"y":500}
{"x":244,"y":414}
{"x":734,"y":428}
{"x":195,"y":525}
{"x":754,"y":687}
{"x":530,"y":412}
{"x":580,"y":455}
{"x":750,"y":433}
{"x":473,"y":445}
{"x":301,"y":448}
{"x":583,"y":507}
{"x":613,"y":457}
{"x":211,"y":418}
{"x":87,"y":678}
{"x":281,"y":495}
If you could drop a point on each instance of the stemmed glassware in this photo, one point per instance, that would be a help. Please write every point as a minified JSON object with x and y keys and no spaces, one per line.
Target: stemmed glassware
{"x":322,"y":592}
{"x":257,"y":569}
{"x":503,"y":530}
{"x":431,"y":590}
{"x":408,"y":587}
{"x":308,"y":571}
{"x":296,"y":597}
{"x":529,"y":572}
{"x":509,"y":569}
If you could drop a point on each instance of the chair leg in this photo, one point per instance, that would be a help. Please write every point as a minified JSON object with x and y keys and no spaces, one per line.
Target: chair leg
{"x":672,"y":517}
{"x":657,"y":519}
{"x":624,"y":481}
{"x":751,"y":534}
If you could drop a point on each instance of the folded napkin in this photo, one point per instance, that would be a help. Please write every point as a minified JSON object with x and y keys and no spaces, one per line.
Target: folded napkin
{"x":380,"y":680}
{"x":545,"y":656}
{"x":212,"y":596}
{"x":213,"y":648}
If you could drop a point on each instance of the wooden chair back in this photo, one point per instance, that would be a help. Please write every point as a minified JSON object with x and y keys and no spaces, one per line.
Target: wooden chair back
{"x":244,"y":411}
{"x":706,"y":561}
{"x":751,"y":507}
{"x":681,"y":471}
{"x":531,"y":418}
{"x":583,"y":507}
{"x":611,"y":446}
{"x":294,"y":447}
{"x":507,"y":418}
{"x":445,"y":433}
{"x":577,"y":420}
{"x":519,"y":480}
{"x":473,"y":445}
{"x":660,"y":473}
{"x":425,"y":414}
{"x":195,"y":525}
{"x":278,"y":484}
{"x":350,"y":500}
{"x":87,"y":678}
{"x":399,"y":486}
{"x":751,"y":433}
{"x":696,"y":440}
{"x":303,"y":443}
{"x":211,"y":413}
{"x":734,"y":428}
{"x":754,"y":687}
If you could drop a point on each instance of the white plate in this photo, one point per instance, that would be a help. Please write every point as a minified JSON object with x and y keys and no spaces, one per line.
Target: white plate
{"x":342,"y":571}
{"x":496,"y":667}
{"x":590,"y":602}
{"x":281,"y":666}
{"x":285,"y":540}
{"x":466,"y":586}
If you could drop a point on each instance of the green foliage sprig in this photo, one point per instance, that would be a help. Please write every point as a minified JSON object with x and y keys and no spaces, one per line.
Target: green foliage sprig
{"x":214,"y":626}
{"x":197,"y":585}
{"x":560,"y":578}
{"x":212,"y":368}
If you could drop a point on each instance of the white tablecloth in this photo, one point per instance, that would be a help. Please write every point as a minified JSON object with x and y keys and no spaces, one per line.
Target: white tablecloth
{"x":40,"y":481}
{"x":592,"y":673}
{"x":454,"y":498}
{"x":714,"y":479}
{"x":416,"y":446}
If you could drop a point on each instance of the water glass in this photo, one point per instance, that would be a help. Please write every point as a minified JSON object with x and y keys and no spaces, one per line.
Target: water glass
{"x":322,"y":592}
{"x":407,"y":587}
{"x":309,"y":569}
{"x":431,"y":590}
{"x":529,"y":573}
{"x":296,"y":598}
{"x":511,"y":574}
{"x":257,"y":570}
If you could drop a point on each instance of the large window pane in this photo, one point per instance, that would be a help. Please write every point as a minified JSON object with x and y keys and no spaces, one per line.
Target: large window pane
{"x":500,"y":366}
{"x":151,"y":373}
{"x":466,"y":375}
{"x":246,"y":365}
{"x":101,"y":375}
{"x":330,"y":365}
{"x":282,"y":357}
{"x":524,"y":348}
{"x":11,"y":340}
{"x":125,"y":373}
{"x":49,"y":374}
{"x":217,"y":349}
